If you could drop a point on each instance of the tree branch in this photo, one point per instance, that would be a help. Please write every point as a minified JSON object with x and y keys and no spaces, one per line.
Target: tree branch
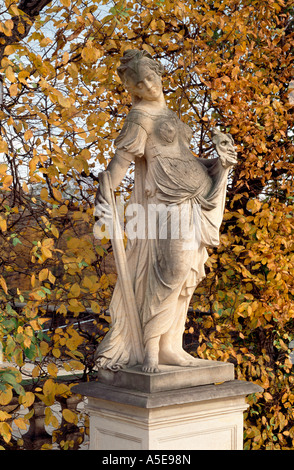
{"x":22,"y":23}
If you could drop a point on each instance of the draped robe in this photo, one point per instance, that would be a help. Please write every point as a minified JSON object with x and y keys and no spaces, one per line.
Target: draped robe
{"x":166,"y":262}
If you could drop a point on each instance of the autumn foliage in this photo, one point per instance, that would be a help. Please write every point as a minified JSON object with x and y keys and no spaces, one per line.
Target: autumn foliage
{"x":228,"y":63}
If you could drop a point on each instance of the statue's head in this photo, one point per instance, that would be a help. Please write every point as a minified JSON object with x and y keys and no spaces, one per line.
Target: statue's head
{"x":137,"y":68}
{"x":224,"y":143}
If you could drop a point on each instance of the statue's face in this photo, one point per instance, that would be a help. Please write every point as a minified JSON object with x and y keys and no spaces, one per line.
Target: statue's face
{"x":225,"y":144}
{"x":146,"y":84}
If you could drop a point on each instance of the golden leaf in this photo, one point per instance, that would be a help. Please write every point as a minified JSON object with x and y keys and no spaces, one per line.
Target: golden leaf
{"x":90,"y":53}
{"x":3,"y":283}
{"x":4,"y":415}
{"x":56,"y":352}
{"x":70,"y":416}
{"x":3,"y":148}
{"x":21,"y":423}
{"x":43,"y":274}
{"x":13,"y":89}
{"x":95,"y":307}
{"x":28,"y":134}
{"x":10,"y":74}
{"x":6,"y":396}
{"x":77,"y":365}
{"x":5,"y":432}
{"x":75,"y":290}
{"x":52,"y":369}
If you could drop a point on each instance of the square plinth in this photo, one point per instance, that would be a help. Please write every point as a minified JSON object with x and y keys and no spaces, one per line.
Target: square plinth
{"x":169,"y":377}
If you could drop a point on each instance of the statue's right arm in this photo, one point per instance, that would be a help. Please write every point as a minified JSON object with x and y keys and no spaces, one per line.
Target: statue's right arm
{"x":117,"y":169}
{"x":129,"y":144}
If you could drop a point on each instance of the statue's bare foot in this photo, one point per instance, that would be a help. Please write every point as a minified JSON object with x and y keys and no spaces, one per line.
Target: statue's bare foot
{"x":177,"y":358}
{"x":150,"y":365}
{"x":192,"y":361}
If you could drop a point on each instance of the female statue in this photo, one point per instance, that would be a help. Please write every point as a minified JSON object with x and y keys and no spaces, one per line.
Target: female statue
{"x":165,"y":264}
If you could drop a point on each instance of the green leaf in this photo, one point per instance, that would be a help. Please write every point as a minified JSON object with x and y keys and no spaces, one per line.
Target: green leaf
{"x":16,"y":241}
{"x":19,"y":389}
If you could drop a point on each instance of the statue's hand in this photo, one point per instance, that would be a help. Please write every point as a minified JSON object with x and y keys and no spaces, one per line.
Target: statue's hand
{"x":224,"y":145}
{"x":103,"y":207}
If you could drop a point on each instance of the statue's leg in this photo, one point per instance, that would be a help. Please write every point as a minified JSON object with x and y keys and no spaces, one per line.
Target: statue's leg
{"x":170,"y":286}
{"x":171,"y":343}
{"x":151,"y":357}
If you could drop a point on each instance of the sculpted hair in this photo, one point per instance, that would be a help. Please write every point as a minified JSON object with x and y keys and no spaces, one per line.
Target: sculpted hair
{"x":130,"y":62}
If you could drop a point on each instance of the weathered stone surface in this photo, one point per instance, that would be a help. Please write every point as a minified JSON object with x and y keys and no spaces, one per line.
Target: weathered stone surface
{"x":206,"y":417}
{"x":163,"y":398}
{"x":174,"y":215}
{"x":169,"y":377}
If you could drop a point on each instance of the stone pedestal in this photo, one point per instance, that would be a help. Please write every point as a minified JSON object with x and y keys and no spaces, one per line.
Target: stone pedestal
{"x":195,"y":408}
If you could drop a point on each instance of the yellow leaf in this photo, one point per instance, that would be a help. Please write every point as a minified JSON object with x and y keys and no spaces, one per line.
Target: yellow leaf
{"x":95,"y":307}
{"x":75,"y":290}
{"x":13,"y":89}
{"x":65,"y":3}
{"x":34,"y":324}
{"x":3,"y":225}
{"x":62,"y":389}
{"x":153,"y":25}
{"x":4,"y":415}
{"x":51,"y":277}
{"x":6,"y":182}
{"x":77,"y":365}
{"x":253,"y":205}
{"x":33,"y":280}
{"x":3,"y":284}
{"x":56,"y":352}
{"x":10,"y":74}
{"x":28,"y":399}
{"x":20,"y":423}
{"x":44,"y":194}
{"x":48,"y":415}
{"x":70,"y":416}
{"x":49,"y":387}
{"x":3,"y":166}
{"x":54,"y":422}
{"x":43,"y":274}
{"x":6,"y":396}
{"x":23,"y":74}
{"x":52,"y":369}
{"x":45,"y":41}
{"x":62,"y":211}
{"x":62,"y":309}
{"x":54,"y":231}
{"x":25,"y":187}
{"x":3,"y":148}
{"x":20,"y":28}
{"x":63,"y":101}
{"x":9,"y":24}
{"x":36,"y":371}
{"x":90,"y":53}
{"x":47,"y":253}
{"x":28,"y":134}
{"x":9,"y":50}
{"x":5,"y":431}
{"x":44,"y":348}
{"x":57,"y":194}
{"x":73,"y":70}
{"x":27,"y":342}
{"x":267,"y":396}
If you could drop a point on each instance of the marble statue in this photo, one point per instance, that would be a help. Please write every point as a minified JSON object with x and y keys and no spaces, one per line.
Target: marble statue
{"x":161,"y":267}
